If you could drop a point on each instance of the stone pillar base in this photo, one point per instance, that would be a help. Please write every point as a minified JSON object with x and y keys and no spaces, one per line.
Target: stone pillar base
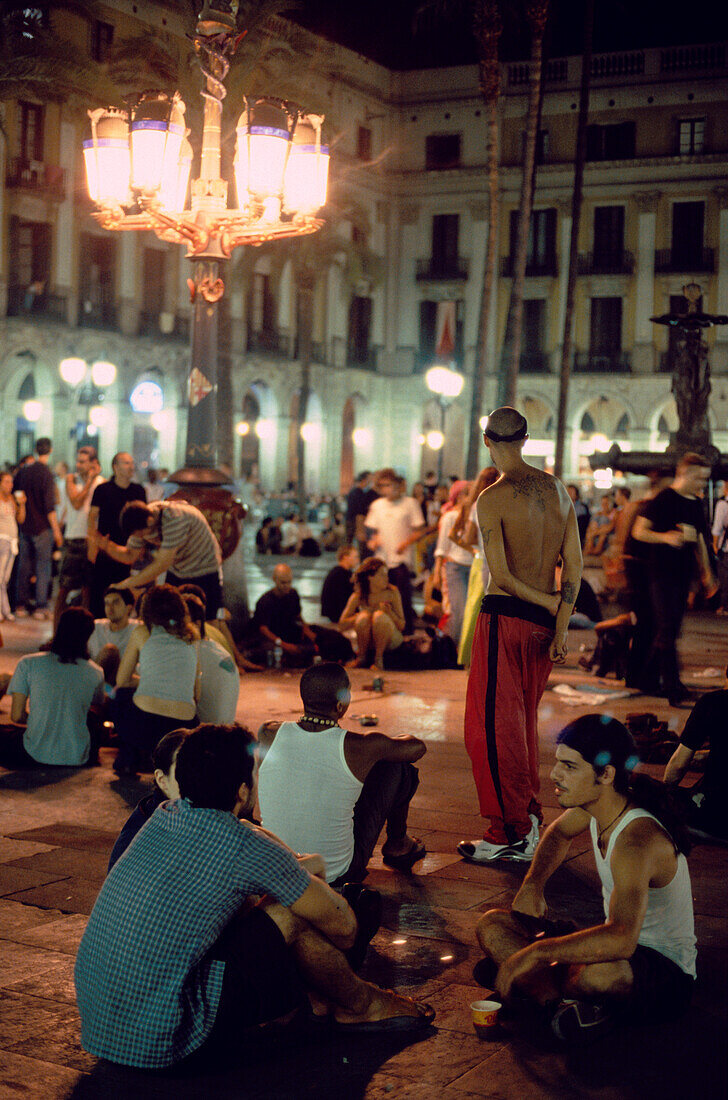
{"x":128,"y":317}
{"x":643,"y":359}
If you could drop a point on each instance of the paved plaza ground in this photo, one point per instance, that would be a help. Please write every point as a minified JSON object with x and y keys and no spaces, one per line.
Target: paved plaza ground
{"x":57,"y":827}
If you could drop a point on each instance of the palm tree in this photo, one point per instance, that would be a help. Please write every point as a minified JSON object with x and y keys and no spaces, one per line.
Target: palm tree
{"x":537,"y":14}
{"x":565,"y":373}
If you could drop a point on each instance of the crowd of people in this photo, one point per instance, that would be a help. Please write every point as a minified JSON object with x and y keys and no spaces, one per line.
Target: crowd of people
{"x":210,"y":920}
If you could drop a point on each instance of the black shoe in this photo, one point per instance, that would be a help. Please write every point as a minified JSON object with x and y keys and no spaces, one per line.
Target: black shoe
{"x":578,"y":1022}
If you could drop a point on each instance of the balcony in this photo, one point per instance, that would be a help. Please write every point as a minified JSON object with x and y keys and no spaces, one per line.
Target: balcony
{"x":34,"y":175}
{"x":534,"y":362}
{"x":362,"y":358}
{"x":541,"y":266}
{"x":442,"y":268}
{"x":670,"y":261}
{"x":619,"y":262}
{"x":46,"y":307}
{"x":587,"y":362}
{"x":268,"y":340}
{"x":97,"y":308}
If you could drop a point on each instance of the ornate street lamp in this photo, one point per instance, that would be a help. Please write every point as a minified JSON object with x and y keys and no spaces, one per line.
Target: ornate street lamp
{"x":446,"y":384}
{"x":138,"y":165}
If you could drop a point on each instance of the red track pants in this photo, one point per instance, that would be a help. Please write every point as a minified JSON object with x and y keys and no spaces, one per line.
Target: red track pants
{"x":508,"y":675}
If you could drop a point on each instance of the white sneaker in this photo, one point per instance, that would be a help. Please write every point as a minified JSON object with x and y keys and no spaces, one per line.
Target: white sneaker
{"x":482,"y":851}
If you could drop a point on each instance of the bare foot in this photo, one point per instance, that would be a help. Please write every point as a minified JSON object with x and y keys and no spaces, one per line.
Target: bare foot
{"x":385,"y":1004}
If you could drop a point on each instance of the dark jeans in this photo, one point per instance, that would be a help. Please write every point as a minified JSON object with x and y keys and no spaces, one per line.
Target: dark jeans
{"x":139,"y":731}
{"x":400,"y":578}
{"x":385,"y":798}
{"x":722,"y":566}
{"x":643,"y":633}
{"x":669,"y":596}
{"x":34,"y":556}
{"x":209,"y":583}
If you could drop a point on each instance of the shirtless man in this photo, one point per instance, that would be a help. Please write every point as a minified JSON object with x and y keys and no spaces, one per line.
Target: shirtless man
{"x":528,"y":524}
{"x":643,"y":956}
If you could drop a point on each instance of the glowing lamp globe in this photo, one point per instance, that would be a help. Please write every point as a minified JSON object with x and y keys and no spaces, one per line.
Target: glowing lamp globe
{"x":155,"y":141}
{"x":242,"y":427}
{"x":311,"y":433}
{"x":99,"y":416}
{"x":307,"y":169}
{"x":444,"y":382}
{"x":106,"y":156}
{"x":261,"y":152}
{"x":103,"y":373}
{"x":435,"y":440}
{"x":72,"y":370}
{"x":32,"y":411}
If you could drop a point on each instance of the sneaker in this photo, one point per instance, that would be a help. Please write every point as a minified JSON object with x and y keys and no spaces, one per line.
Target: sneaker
{"x":483,"y":851}
{"x":576,"y":1022}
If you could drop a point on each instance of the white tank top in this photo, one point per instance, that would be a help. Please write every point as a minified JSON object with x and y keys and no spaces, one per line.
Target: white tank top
{"x":307,"y":793}
{"x":668,"y":926}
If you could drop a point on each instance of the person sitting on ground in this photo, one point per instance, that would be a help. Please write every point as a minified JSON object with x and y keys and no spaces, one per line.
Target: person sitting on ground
{"x":705,"y":801}
{"x":338,"y":583}
{"x":164,"y":759}
{"x":165,"y":647}
{"x":218,"y":629}
{"x":333,"y":532}
{"x":374,"y":610}
{"x":207,"y":925}
{"x":306,"y":546}
{"x":330,"y":790}
{"x":262,"y":536}
{"x":643,"y":956}
{"x":111,"y":635}
{"x":62,"y":689}
{"x":280,"y":622}
{"x":600,"y":527}
{"x":217,"y":698}
{"x":289,"y":534}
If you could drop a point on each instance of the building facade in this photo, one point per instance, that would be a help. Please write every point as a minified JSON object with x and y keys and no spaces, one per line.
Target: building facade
{"x":409,"y":203}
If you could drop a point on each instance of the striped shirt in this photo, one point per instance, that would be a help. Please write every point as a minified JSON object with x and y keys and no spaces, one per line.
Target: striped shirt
{"x":184,"y":528}
{"x":146,"y":984}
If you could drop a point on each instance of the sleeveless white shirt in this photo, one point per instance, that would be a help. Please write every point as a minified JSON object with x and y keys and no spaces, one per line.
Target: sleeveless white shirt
{"x":668,"y":926}
{"x":307,"y":794}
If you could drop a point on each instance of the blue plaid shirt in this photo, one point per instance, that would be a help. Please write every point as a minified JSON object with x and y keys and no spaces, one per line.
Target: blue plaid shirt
{"x":147,"y":991}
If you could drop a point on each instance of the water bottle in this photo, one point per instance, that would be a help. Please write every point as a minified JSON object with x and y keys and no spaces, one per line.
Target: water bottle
{"x":277,"y":654}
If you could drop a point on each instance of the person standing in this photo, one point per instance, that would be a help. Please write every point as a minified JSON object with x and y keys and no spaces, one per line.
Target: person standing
{"x":358,"y":500}
{"x":12,"y":512}
{"x":719,"y":532}
{"x":74,"y":575}
{"x":396,"y":522}
{"x":528,"y":523}
{"x":673,"y":527}
{"x":38,"y":532}
{"x":104,"y":517}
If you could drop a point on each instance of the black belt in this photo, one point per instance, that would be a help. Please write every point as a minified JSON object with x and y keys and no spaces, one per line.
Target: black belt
{"x":515,"y":608}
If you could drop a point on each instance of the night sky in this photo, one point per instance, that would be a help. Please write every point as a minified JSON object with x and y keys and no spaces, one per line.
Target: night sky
{"x":384,"y":29}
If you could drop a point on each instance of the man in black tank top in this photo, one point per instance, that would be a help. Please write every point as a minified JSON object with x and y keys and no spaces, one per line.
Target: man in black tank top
{"x":643,"y":956}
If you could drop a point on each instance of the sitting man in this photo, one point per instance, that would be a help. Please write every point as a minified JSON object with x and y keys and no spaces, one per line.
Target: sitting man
{"x":180,"y":943}
{"x":280,"y":622}
{"x":705,"y":801}
{"x":643,"y":956}
{"x":110,"y":635}
{"x":339,"y":583}
{"x":327,"y":789}
{"x":185,"y":547}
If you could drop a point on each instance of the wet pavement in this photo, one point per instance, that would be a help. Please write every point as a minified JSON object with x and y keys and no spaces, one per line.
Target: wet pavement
{"x":57,"y":827}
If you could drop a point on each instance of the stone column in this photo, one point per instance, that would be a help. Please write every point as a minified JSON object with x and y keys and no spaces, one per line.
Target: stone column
{"x":719,"y":352}
{"x":64,"y":250}
{"x":128,"y":310}
{"x":644,"y":356}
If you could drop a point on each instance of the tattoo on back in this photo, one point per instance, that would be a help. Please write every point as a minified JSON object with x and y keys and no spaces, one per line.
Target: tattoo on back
{"x":568,"y":592}
{"x":532,"y":486}
{"x":486,"y":537}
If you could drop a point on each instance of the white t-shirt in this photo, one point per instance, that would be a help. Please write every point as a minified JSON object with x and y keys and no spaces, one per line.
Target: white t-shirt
{"x":289,"y":534}
{"x":77,"y":518}
{"x":394,"y":521}
{"x":59,"y":698}
{"x":720,"y":522}
{"x":473,"y":517}
{"x":104,"y":635}
{"x":446,"y":548}
{"x":219,"y":684}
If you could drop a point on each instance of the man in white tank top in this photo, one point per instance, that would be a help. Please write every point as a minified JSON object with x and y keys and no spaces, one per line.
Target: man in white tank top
{"x":331,"y":791}
{"x":642,"y":958}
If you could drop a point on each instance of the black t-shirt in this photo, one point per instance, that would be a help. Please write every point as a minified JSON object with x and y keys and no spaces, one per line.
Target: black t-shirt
{"x":358,"y":501}
{"x":665,"y":512}
{"x":37,"y":482}
{"x":336,"y":590}
{"x":110,"y":498}
{"x":708,"y":721}
{"x":280,"y":614}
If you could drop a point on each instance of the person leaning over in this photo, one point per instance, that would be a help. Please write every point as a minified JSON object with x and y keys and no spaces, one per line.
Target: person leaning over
{"x":332,"y":791}
{"x":179,"y":949}
{"x":642,"y":957}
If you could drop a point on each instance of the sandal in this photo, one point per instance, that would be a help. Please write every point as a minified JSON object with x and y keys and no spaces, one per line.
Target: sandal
{"x":406,"y":861}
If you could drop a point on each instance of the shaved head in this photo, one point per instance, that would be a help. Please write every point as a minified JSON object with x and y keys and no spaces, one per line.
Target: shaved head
{"x":506,"y":425}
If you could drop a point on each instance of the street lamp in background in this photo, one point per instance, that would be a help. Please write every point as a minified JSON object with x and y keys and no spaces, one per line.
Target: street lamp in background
{"x":88,"y":384}
{"x":446,"y":384}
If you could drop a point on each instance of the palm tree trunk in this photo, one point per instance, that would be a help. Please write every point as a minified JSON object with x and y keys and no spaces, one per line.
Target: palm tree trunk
{"x":565,"y":373}
{"x":510,"y":357}
{"x":487,"y":29}
{"x":305,"y":283}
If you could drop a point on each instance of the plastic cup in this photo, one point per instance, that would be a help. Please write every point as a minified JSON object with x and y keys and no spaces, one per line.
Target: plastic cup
{"x":485,"y":1018}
